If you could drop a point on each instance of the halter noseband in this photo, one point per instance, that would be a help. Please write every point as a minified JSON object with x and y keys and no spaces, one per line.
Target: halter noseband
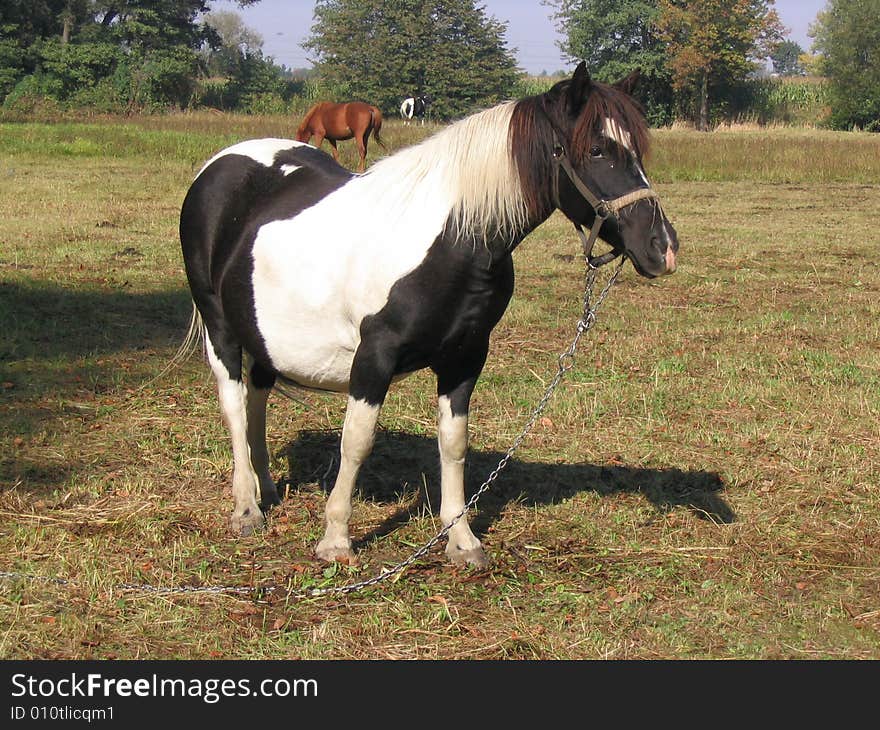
{"x":604,"y":208}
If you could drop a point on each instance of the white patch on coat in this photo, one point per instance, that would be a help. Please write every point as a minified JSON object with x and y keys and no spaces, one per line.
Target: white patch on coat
{"x":617,"y":133}
{"x":259,"y":150}
{"x":452,"y":438}
{"x":317,"y":275}
{"x":614,"y":131}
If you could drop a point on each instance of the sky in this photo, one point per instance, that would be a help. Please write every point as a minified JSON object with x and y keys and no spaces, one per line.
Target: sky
{"x":284,"y":24}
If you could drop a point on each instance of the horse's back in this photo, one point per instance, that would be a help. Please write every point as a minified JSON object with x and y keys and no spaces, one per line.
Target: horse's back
{"x":240,"y":189}
{"x":360,"y":116}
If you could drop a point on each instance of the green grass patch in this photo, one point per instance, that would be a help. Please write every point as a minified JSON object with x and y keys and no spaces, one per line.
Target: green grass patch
{"x":702,"y":485}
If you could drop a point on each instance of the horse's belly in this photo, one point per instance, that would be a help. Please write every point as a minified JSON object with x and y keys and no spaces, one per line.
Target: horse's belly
{"x":313,"y":349}
{"x":331,"y":372}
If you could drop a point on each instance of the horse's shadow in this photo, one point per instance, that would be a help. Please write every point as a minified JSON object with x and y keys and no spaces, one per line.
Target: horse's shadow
{"x":404,"y":468}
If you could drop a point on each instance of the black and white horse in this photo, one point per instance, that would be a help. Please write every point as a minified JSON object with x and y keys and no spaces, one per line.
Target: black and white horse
{"x":344,"y":282}
{"x":414,"y":107}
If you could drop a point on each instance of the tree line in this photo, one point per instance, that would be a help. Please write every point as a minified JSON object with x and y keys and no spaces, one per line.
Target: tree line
{"x":698,"y":58}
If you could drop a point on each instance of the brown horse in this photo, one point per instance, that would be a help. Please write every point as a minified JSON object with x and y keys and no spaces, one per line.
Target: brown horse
{"x":335,"y":122}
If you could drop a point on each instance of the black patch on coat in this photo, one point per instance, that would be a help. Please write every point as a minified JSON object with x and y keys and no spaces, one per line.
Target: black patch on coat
{"x":440,"y":316}
{"x":221,"y":214}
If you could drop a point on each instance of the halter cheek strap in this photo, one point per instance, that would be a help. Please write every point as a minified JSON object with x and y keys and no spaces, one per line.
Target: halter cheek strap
{"x":604,"y":208}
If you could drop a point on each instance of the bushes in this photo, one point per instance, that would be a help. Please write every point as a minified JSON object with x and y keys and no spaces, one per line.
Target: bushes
{"x":100,"y":77}
{"x":848,"y":36}
{"x":74,"y":67}
{"x":166,"y":78}
{"x":166,"y":81}
{"x":793,"y":100}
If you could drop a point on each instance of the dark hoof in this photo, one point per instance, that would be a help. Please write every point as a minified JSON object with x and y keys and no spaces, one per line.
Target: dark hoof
{"x":269,"y":497}
{"x":268,"y":503}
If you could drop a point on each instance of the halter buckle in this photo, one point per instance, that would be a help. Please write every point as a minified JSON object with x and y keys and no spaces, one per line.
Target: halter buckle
{"x":604,"y":210}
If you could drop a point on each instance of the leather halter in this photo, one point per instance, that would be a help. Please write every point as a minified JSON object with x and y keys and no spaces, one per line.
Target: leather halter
{"x":604,"y":208}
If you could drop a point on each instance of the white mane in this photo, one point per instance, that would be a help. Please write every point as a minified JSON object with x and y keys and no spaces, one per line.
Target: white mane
{"x":469,"y":165}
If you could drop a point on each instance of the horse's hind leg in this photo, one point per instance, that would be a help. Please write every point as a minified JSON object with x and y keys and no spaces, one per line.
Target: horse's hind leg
{"x":362,"y":150}
{"x":259,"y":385}
{"x":225,"y":360}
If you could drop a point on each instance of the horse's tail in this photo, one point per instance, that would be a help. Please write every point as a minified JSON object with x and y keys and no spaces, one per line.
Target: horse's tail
{"x":194,"y":339}
{"x":377,"y":125}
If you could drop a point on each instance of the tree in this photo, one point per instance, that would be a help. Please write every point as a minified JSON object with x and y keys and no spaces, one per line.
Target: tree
{"x":128,"y":52}
{"x":24,"y":23}
{"x":234,"y":41}
{"x":811,"y":63}
{"x":713,"y":42}
{"x":848,"y":35}
{"x":616,"y":37}
{"x":381,"y":52}
{"x":786,"y":58}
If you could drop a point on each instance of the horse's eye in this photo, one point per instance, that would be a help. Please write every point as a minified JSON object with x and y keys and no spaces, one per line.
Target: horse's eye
{"x":595,"y":151}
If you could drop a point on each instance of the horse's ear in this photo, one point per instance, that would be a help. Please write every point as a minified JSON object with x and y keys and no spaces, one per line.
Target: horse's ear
{"x":628,"y":84}
{"x":579,"y":88}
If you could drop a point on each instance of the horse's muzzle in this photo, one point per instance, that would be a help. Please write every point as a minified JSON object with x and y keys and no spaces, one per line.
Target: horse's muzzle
{"x":667,"y":239}
{"x":659,"y":258}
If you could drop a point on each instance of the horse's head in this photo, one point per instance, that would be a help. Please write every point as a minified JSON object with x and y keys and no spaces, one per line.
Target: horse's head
{"x":303,"y":135}
{"x":600,"y":135}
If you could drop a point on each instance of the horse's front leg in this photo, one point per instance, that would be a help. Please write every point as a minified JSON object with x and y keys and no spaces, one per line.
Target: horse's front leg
{"x":370,"y":378}
{"x":358,"y":434}
{"x":453,"y":403}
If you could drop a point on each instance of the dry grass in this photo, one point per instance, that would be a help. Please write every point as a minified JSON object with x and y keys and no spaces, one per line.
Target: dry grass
{"x":766,"y":155}
{"x":704,"y":485}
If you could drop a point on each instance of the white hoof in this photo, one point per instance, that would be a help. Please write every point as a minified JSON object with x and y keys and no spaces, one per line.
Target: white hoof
{"x":247,"y":522}
{"x":475,"y":556}
{"x":330,"y":552}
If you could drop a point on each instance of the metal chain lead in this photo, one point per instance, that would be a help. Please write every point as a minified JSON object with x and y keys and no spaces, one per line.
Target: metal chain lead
{"x":564,"y":364}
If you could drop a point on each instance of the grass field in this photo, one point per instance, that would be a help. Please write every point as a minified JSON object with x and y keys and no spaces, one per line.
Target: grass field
{"x":703,"y":485}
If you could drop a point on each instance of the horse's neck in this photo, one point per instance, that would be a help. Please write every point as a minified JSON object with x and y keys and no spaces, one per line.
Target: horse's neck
{"x":500,"y":248}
